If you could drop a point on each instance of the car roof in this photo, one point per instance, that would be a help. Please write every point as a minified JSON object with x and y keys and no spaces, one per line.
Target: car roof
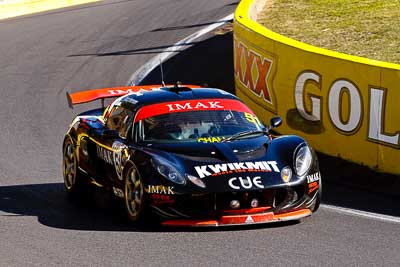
{"x":169,"y":94}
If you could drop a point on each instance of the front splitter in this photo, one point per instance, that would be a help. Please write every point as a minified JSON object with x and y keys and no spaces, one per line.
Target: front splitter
{"x":242,"y":219}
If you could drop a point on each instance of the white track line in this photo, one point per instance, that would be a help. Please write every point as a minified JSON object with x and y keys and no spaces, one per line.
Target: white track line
{"x":364,"y":214}
{"x":143,"y":71}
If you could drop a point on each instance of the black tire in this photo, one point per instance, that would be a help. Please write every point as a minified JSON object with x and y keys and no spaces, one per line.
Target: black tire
{"x":73,"y":177}
{"x":134,"y":193}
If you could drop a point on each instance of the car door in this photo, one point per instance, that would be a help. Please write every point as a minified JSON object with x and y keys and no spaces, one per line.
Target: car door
{"x":111,"y":143}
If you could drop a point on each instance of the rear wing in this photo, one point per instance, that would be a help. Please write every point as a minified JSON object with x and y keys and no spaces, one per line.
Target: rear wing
{"x":96,"y":94}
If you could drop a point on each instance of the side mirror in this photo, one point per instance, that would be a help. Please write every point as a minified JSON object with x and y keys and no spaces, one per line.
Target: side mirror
{"x":275,"y":122}
{"x":108,"y":133}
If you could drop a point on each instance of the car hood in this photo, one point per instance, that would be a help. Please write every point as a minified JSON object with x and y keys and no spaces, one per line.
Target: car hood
{"x":218,"y":151}
{"x":248,"y":164}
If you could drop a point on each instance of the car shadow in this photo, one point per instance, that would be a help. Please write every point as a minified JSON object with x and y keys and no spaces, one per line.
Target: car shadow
{"x":96,"y":211}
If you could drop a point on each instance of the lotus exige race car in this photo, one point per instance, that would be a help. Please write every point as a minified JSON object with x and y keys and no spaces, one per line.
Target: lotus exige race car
{"x":195,"y":156}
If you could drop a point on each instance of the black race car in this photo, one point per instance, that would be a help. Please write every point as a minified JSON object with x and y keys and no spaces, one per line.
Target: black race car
{"x":195,"y":156}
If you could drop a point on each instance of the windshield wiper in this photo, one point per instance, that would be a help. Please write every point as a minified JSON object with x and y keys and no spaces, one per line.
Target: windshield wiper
{"x":244,"y":134}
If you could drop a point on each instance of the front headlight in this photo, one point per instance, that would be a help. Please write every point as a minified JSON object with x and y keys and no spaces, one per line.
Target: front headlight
{"x":303,"y":160}
{"x":168,"y":171}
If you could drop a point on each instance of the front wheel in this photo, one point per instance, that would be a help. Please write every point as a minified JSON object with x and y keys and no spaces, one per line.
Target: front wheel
{"x":134,"y":194}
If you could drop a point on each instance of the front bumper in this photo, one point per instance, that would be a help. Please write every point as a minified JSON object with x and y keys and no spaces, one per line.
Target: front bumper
{"x":256,"y":207}
{"x":241,"y":219}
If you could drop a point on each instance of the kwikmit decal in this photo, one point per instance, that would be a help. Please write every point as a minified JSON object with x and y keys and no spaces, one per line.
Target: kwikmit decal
{"x":229,"y":168}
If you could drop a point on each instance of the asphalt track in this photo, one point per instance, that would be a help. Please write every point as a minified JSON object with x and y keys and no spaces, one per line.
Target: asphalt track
{"x":101,"y":45}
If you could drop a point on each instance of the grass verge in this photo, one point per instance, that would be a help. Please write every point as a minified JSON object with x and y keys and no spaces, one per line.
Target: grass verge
{"x":366,"y":28}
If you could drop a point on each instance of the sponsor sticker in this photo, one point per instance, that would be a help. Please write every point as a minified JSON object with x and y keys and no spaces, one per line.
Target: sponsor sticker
{"x":312,"y":187}
{"x":133,"y":91}
{"x":252,"y":119}
{"x":119,"y":158}
{"x":191,"y":105}
{"x":236,"y":167}
{"x":211,"y":139}
{"x":161,"y":199}
{"x":105,"y":154}
{"x":160,"y":189}
{"x":116,"y":156}
{"x":245,"y":182}
{"x":249,"y":219}
{"x":195,"y":105}
{"x":313,"y":177}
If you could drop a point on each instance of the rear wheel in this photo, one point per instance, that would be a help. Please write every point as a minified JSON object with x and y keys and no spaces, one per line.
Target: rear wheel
{"x":73,"y":183}
{"x":134,"y":194}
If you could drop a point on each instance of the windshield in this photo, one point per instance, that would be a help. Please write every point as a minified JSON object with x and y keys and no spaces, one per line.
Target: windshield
{"x":198,"y":126}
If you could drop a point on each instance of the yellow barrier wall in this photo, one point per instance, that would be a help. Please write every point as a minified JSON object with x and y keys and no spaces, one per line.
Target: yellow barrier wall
{"x":345,"y":106}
